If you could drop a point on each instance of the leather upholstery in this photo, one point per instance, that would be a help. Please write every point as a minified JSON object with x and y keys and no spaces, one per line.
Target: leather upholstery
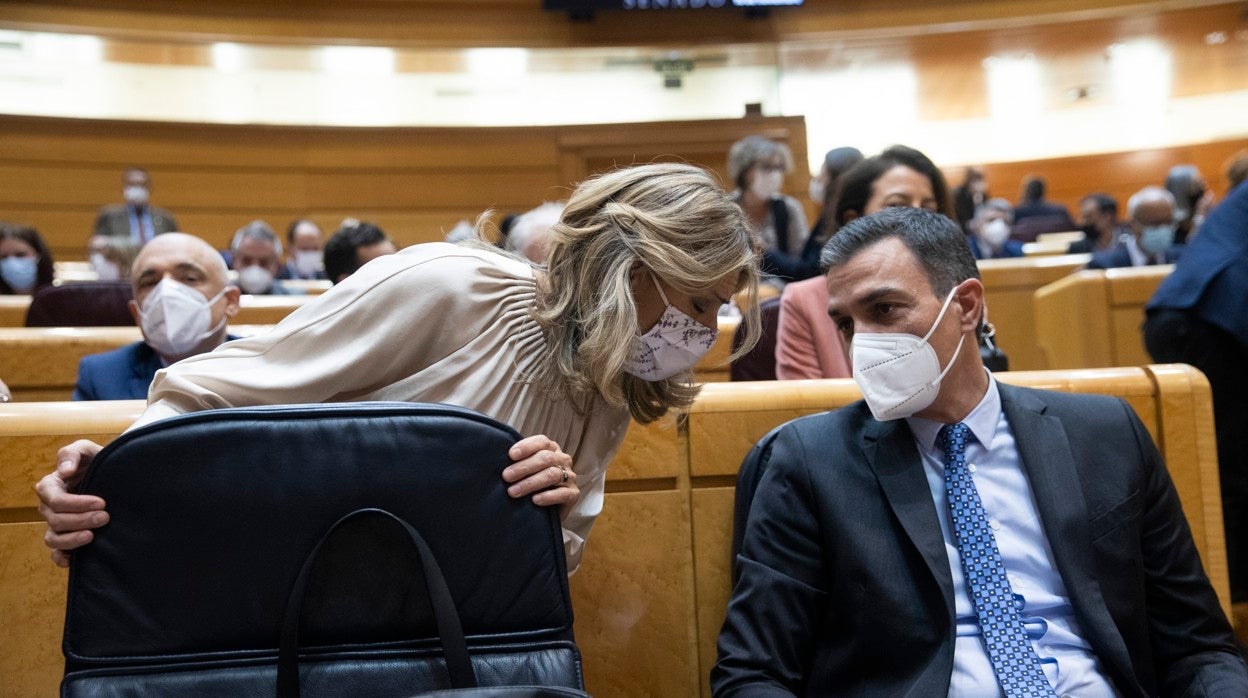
{"x":214,"y":512}
{"x":759,"y":363}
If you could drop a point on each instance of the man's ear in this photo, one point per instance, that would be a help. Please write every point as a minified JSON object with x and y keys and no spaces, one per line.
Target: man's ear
{"x":970,"y":299}
{"x":133,"y":306}
{"x":232,"y":296}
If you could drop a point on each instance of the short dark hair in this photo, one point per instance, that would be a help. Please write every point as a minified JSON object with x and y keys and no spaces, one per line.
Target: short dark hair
{"x":340,"y":255}
{"x":854,"y":189}
{"x":1104,"y":203}
{"x":936,"y":242}
{"x":1033,"y":189}
{"x":44,"y":270}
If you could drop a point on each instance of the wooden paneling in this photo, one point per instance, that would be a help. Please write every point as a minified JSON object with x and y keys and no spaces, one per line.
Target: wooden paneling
{"x":1009,"y":289}
{"x":414,"y":182}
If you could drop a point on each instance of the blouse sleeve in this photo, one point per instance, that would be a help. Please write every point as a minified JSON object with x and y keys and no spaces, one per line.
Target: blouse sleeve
{"x":380,"y":325}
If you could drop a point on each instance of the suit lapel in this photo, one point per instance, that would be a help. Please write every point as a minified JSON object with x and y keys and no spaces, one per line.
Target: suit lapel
{"x":890,"y":449}
{"x":1049,"y":466}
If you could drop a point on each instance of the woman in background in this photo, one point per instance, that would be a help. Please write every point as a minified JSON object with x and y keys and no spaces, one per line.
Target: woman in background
{"x":757,"y":167}
{"x":25,"y":260}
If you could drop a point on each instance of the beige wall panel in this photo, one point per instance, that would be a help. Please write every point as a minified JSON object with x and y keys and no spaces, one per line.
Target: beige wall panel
{"x":649,"y":451}
{"x":32,"y":604}
{"x":712,"y":564}
{"x":1009,"y":290}
{"x":634,"y":598}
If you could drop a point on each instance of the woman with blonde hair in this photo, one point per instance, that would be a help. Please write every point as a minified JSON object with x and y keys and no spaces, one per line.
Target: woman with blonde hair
{"x":640,"y":263}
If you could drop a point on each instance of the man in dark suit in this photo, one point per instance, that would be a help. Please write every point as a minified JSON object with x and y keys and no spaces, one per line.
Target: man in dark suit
{"x":953,"y":536}
{"x":1197,"y":317}
{"x":136,"y":219}
{"x":1035,"y":215}
{"x":1150,"y":233}
{"x":182,"y":302}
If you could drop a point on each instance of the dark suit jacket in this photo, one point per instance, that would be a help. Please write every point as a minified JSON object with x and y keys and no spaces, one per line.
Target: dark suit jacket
{"x":845,"y":588}
{"x":1011,"y":248}
{"x":1118,"y":256}
{"x":1212,"y":276}
{"x":120,"y":374}
{"x":114,"y":221}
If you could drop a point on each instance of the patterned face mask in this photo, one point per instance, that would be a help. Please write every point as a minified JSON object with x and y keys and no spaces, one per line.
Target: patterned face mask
{"x":673,"y":345}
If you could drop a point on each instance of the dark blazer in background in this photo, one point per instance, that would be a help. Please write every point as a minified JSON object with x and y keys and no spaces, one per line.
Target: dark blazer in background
{"x":1117,"y":256}
{"x":114,"y":221}
{"x":120,"y":374}
{"x":845,"y":589}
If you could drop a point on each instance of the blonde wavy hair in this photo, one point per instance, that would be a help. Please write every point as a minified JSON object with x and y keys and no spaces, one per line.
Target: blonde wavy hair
{"x":672,"y":219}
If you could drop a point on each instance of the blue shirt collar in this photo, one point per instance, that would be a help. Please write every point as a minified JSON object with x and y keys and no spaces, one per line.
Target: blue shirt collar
{"x":982,"y":420}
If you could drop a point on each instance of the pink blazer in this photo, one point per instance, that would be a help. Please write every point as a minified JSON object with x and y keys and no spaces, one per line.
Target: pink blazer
{"x":807,"y":343}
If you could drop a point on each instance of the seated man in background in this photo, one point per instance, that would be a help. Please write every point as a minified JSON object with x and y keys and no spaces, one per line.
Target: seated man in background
{"x":1035,"y":214}
{"x":990,"y":231}
{"x":181,"y":302}
{"x":950,"y":535}
{"x":352,"y":246}
{"x":1151,"y":228}
{"x":1098,"y":219}
{"x":256,"y":254}
{"x":305,"y":258}
{"x":136,"y":219}
{"x":530,"y":232}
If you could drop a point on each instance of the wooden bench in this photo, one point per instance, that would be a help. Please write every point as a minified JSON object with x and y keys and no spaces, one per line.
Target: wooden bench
{"x":254,"y":310}
{"x":1092,"y":318}
{"x":1009,"y":290}
{"x":653,"y":587}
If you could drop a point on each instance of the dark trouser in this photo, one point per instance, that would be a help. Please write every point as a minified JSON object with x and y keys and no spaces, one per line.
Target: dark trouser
{"x":1177,"y":336}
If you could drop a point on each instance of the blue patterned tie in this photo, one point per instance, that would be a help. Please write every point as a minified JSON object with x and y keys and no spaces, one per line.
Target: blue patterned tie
{"x":1014,"y":661}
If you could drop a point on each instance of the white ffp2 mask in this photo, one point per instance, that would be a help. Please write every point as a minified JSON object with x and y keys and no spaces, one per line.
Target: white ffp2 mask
{"x":175,"y":318}
{"x":899,"y":373}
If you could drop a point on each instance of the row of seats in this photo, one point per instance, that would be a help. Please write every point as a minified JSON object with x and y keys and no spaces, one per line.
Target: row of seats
{"x":652,"y":590}
{"x":1045,"y":317}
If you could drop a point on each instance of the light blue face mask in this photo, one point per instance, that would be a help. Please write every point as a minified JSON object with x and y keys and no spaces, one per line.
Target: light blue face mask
{"x":1156,"y":239}
{"x":19,"y":273}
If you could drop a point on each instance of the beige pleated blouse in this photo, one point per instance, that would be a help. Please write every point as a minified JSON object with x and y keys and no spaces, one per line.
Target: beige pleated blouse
{"x":433,"y":323}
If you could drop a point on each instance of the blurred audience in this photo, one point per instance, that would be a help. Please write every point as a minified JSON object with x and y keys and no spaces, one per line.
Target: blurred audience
{"x":807,"y":343}
{"x":351,"y":247}
{"x":969,"y":196}
{"x":304,"y":257}
{"x":1192,"y":199}
{"x":5,"y":394}
{"x":757,"y":167}
{"x":1035,"y":215}
{"x":136,"y":219}
{"x":111,"y":257}
{"x":1151,"y":233}
{"x":1098,"y":219}
{"x":182,"y":302}
{"x":530,"y":233}
{"x":1197,"y":317}
{"x":1237,"y":168}
{"x":256,"y":254}
{"x":990,"y":231}
{"x":25,"y":260}
{"x":823,"y":191}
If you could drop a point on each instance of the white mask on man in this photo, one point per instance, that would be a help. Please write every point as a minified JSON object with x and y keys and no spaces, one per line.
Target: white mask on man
{"x":307,"y":262}
{"x":175,"y":318}
{"x":136,"y":195}
{"x":899,"y":373}
{"x":766,"y":183}
{"x":995,"y":233}
{"x":255,"y":279}
{"x":105,"y":268}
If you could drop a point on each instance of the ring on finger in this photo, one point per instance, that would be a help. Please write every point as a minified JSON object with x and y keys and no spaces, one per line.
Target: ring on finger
{"x":566,"y":477}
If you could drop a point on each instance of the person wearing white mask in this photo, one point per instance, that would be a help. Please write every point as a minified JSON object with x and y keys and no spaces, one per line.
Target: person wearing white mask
{"x":757,"y":167}
{"x":111,"y":257}
{"x":256,"y":256}
{"x":1150,"y":237}
{"x":136,"y":219}
{"x":305,"y":252}
{"x":25,"y":260}
{"x":952,"y":536}
{"x":990,"y":231}
{"x":182,"y":302}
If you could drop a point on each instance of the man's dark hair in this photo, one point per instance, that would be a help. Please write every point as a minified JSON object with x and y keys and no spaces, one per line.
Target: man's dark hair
{"x":854,"y":189}
{"x":340,"y":256}
{"x":1033,"y":189}
{"x":936,"y":242}
{"x":1104,"y":203}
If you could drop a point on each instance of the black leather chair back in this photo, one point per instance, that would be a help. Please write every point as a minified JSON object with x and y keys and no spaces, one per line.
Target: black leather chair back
{"x":213,"y":513}
{"x":759,"y":363}
{"x":81,"y":304}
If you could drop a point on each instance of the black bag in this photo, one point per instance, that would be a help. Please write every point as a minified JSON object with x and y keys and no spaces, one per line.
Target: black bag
{"x":214,"y":516}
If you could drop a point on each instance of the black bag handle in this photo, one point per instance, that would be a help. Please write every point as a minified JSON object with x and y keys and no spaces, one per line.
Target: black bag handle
{"x":450,"y":631}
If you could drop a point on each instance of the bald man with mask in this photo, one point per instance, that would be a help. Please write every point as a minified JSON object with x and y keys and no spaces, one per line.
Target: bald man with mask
{"x":182,"y":302}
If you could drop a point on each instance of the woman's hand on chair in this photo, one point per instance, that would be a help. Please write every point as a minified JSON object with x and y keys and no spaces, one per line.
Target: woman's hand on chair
{"x":543,"y":470}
